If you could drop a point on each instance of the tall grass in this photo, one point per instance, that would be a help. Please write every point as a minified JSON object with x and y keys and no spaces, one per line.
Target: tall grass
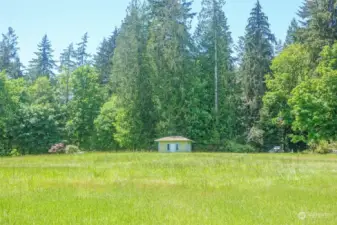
{"x":150,"y":188}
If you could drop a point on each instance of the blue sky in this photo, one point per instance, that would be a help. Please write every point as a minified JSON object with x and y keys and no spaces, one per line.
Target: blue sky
{"x":65,"y":21}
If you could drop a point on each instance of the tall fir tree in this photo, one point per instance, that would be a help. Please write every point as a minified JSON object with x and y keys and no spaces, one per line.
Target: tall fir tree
{"x":169,"y":54}
{"x":214,"y":44}
{"x":67,"y":66}
{"x":240,"y":50}
{"x":257,"y":57}
{"x":320,"y":26}
{"x":82,"y":56}
{"x":67,"y":59}
{"x":305,"y":11}
{"x":43,"y":64}
{"x":103,"y":58}
{"x":291,"y":33}
{"x":135,"y":117}
{"x":9,"y":58}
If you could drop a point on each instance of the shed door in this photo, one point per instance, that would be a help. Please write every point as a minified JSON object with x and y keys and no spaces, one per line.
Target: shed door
{"x":172,"y":147}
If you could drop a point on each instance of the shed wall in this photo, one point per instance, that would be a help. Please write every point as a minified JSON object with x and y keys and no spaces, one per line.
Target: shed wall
{"x":184,"y":146}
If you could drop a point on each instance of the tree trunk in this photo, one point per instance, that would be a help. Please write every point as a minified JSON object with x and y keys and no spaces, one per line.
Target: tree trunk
{"x":216,"y":67}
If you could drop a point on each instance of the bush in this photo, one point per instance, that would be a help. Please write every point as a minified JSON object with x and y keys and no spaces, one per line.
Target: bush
{"x":255,"y":137}
{"x":57,"y":148}
{"x":324,"y":147}
{"x":72,"y":149}
{"x":14,"y":153}
{"x":235,"y":147}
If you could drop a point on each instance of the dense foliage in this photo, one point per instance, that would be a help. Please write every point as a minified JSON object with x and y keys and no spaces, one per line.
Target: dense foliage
{"x":153,"y":77}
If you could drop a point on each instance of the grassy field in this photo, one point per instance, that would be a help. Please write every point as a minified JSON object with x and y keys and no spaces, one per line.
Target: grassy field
{"x":150,"y":188}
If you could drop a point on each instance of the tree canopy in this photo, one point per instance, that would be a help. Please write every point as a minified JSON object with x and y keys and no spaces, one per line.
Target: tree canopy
{"x":155,"y":76}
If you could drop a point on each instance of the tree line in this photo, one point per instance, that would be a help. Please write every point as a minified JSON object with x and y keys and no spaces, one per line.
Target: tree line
{"x":154,"y":77}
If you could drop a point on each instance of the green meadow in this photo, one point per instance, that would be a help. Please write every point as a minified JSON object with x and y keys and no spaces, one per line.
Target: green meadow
{"x":151,"y":188}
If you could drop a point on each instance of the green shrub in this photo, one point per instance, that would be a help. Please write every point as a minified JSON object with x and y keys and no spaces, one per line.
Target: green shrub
{"x":14,"y":152}
{"x":255,"y":137}
{"x":333,"y":146}
{"x":232,"y":146}
{"x":324,"y":147}
{"x":72,"y":149}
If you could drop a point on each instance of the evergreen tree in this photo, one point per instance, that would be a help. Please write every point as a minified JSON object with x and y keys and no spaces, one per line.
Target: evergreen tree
{"x":67,"y":59}
{"x":43,"y":64}
{"x":291,"y":33}
{"x":103,"y":58}
{"x":82,"y":57}
{"x":305,"y":11}
{"x":169,"y":53}
{"x":67,"y":66}
{"x":214,"y":43}
{"x":134,"y":106}
{"x":9,"y":58}
{"x":256,"y":61}
{"x":240,"y":50}
{"x":320,"y":28}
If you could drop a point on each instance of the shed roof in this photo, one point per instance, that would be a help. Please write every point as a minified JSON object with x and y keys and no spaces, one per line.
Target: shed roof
{"x":173,"y":138}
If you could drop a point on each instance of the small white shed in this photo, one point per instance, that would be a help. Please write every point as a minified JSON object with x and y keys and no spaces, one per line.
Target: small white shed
{"x":174,"y":144}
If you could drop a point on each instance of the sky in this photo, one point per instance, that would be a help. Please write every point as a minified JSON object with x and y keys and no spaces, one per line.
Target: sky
{"x":65,"y":21}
